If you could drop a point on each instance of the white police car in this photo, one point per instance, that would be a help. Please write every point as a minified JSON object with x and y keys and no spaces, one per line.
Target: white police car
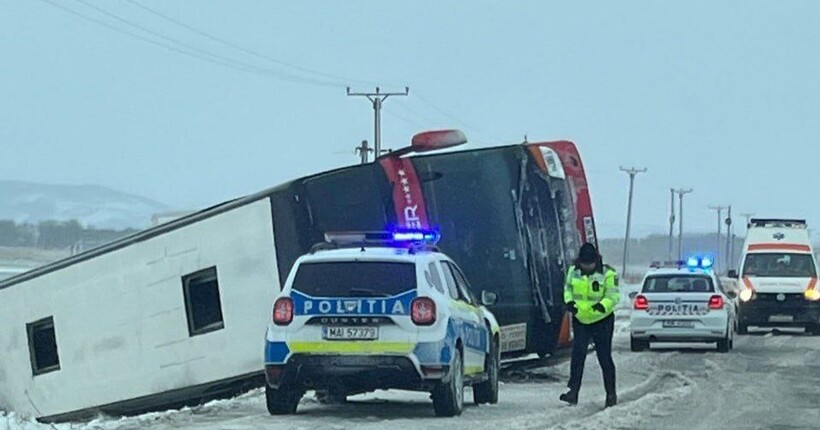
{"x":370,"y":311}
{"x":683,"y":303}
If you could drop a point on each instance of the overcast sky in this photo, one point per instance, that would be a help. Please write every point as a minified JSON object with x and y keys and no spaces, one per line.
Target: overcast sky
{"x":722,"y":97}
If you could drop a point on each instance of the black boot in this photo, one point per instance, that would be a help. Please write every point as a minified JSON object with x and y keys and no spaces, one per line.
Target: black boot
{"x":611,"y":400}
{"x":570,"y":397}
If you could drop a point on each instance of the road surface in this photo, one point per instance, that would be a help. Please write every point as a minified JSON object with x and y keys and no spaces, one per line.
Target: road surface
{"x":769,"y":381}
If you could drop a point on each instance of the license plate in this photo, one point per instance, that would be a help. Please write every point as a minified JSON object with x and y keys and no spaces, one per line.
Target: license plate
{"x":679,"y":324}
{"x":781,"y":318}
{"x":350,"y":333}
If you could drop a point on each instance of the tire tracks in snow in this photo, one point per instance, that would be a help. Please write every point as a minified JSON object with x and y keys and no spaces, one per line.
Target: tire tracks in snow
{"x":636,"y":403}
{"x":658,"y":384}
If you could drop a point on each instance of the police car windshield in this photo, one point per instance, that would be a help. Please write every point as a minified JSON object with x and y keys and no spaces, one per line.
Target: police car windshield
{"x":355,"y":279}
{"x":678,"y":284}
{"x":779,"y":265}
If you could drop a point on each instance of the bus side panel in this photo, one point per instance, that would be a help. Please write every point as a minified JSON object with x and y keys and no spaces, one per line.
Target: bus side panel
{"x":123,"y":323}
{"x":470,"y":198}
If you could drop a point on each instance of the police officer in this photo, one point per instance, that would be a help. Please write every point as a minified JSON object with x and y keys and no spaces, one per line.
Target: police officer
{"x":591,"y":294}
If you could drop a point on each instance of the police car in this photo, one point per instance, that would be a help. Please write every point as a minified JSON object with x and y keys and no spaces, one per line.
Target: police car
{"x":368,"y":311}
{"x":683,"y":303}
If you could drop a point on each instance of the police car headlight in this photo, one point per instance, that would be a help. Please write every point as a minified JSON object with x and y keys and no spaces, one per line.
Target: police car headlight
{"x":746,"y":295}
{"x":812,"y":295}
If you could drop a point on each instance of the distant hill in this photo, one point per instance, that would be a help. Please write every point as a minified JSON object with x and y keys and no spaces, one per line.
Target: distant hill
{"x":92,"y":206}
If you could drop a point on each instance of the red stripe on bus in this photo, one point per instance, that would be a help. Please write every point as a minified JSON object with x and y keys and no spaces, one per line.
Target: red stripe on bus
{"x":408,"y":198}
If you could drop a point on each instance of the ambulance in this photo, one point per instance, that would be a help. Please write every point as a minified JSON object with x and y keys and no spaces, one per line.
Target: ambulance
{"x":778,"y":277}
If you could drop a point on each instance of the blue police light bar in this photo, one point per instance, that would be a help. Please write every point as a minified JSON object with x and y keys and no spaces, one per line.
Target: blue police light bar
{"x":397,"y":237}
{"x":427,"y":236}
{"x":704,"y":262}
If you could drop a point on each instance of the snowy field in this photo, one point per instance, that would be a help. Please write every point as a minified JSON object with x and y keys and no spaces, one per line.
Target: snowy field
{"x":767,"y":382}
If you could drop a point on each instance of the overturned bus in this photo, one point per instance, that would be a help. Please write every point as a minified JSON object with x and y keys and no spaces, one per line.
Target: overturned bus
{"x":512,"y":217}
{"x":176,"y":314}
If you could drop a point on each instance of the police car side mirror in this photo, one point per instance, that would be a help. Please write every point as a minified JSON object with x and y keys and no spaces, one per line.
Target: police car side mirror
{"x":733,"y":274}
{"x":488,"y":298}
{"x":632,"y":295}
{"x":731,"y":293}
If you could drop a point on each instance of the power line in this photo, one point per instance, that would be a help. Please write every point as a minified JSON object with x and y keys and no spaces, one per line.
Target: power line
{"x":282,"y":75}
{"x":187,"y":51}
{"x":409,"y":121}
{"x":430,"y":120}
{"x":419,"y":116}
{"x":193,"y":51}
{"x":237,"y":47}
{"x":454,"y":118}
{"x":137,"y":36}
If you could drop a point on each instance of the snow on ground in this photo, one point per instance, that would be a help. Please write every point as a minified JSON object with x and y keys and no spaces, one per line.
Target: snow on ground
{"x":769,"y":381}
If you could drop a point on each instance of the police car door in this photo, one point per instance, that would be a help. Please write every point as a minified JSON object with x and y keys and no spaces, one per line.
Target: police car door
{"x":469,"y":324}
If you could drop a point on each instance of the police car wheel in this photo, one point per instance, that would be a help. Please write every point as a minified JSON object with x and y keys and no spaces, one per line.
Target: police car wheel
{"x":813,"y":329}
{"x":448,"y":396}
{"x":487,"y":391}
{"x":723,"y":344}
{"x":742,"y":328}
{"x":282,"y":401}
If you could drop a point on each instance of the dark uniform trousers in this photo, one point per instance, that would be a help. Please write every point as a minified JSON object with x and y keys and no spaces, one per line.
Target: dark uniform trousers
{"x":601,"y":333}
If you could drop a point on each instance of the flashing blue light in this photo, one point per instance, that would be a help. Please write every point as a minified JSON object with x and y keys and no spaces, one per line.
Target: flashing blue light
{"x":427,"y":236}
{"x":707,"y":262}
{"x":700,"y":262}
{"x":693,"y":262}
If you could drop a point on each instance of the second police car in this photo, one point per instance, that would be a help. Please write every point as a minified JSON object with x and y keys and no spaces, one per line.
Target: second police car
{"x":368,"y":311}
{"x":683,"y":303}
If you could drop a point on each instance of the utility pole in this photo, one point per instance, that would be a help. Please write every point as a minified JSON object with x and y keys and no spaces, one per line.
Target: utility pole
{"x":671,"y":224}
{"x":729,"y":239}
{"x":631,"y":172}
{"x":681,"y":192}
{"x":748,"y":217}
{"x":363,"y":150}
{"x":719,"y":210}
{"x":378,"y":99}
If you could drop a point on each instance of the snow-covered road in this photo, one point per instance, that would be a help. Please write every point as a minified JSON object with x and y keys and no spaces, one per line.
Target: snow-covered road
{"x":767,"y":382}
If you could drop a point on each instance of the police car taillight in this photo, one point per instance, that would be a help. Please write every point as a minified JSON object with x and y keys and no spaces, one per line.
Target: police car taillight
{"x":423,"y":311}
{"x":283,"y":311}
{"x":641,"y":303}
{"x":716,"y":302}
